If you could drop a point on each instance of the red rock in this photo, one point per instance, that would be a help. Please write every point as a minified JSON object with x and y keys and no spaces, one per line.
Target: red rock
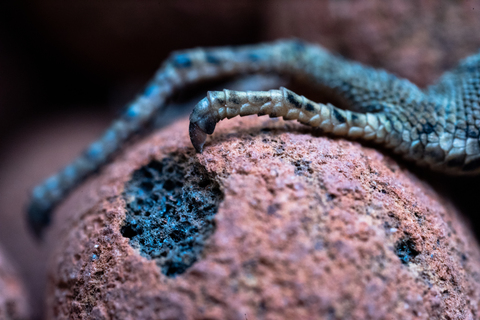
{"x":309,"y":228}
{"x":13,"y":298}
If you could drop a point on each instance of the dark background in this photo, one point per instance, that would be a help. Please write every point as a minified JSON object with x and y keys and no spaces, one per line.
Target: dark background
{"x":68,"y":67}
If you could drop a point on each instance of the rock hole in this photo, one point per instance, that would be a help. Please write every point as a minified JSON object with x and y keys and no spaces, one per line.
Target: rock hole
{"x":170,"y":204}
{"x":156,"y":166}
{"x":331,"y":197}
{"x":405,"y":250}
{"x":147,"y":186}
{"x":203,"y":183}
{"x":128,"y":231}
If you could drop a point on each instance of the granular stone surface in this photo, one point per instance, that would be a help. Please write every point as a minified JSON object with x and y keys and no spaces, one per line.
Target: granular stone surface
{"x":307,"y":227}
{"x":13,"y":298}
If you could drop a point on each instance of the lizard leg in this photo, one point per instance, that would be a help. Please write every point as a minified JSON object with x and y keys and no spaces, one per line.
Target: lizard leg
{"x":456,"y":114}
{"x":284,"y":103}
{"x":366,"y":89}
{"x":179,"y":70}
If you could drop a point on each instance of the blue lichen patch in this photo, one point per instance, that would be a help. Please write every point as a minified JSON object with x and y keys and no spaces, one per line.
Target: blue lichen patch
{"x":170,"y":206}
{"x":406,"y":250}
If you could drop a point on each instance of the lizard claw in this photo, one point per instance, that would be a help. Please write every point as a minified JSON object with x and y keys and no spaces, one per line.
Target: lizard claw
{"x":197,"y":136}
{"x":202,"y":122}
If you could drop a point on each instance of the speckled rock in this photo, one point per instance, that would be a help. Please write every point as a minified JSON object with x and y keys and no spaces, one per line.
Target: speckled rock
{"x":13,"y":298}
{"x":306,"y":227}
{"x":415,"y":39}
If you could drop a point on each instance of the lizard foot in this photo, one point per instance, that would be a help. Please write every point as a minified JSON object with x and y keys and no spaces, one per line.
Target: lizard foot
{"x":202,"y":122}
{"x":197,"y":136}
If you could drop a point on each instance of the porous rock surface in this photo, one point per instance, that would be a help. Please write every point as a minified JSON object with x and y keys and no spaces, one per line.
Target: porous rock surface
{"x":307,"y":227}
{"x":13,"y":298}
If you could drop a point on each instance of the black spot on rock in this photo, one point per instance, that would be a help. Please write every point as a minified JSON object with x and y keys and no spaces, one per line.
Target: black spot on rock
{"x":272,"y":209}
{"x":405,"y":250}
{"x":302,"y":167}
{"x":170,"y":205}
{"x":128,"y":231}
{"x":331,"y":196}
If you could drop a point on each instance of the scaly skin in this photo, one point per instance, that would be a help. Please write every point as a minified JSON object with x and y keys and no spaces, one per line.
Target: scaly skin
{"x":438,"y":126}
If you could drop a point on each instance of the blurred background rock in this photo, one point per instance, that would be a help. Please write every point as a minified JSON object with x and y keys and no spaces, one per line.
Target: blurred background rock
{"x":68,"y":67}
{"x":13,"y":298}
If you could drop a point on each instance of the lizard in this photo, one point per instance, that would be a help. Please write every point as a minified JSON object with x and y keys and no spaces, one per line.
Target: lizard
{"x":437,"y":126}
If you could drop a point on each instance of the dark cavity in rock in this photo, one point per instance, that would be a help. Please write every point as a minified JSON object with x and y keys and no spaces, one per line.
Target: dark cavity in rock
{"x":170,"y":206}
{"x":405,"y":250}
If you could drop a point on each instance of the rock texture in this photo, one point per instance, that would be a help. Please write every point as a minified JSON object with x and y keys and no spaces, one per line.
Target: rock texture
{"x":13,"y":298}
{"x":308,"y":228}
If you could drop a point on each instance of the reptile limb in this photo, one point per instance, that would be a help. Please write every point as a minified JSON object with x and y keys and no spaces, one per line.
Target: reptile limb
{"x":284,"y":103}
{"x":438,"y":126}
